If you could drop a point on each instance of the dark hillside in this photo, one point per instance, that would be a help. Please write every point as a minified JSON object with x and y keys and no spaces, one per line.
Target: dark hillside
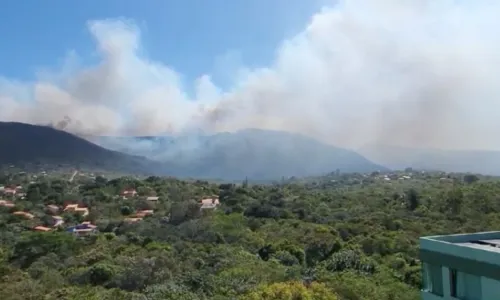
{"x":22,"y":144}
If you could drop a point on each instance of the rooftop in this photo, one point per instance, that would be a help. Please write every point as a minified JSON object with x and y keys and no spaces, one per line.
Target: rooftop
{"x":488,"y":245}
{"x":487,"y":241}
{"x":474,"y":253}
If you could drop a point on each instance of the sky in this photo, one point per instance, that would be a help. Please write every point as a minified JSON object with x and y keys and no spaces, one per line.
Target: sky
{"x":192,"y":36}
{"x":347,"y":72}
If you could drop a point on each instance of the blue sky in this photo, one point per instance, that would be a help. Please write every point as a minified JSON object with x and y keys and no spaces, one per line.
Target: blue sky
{"x":192,"y":36}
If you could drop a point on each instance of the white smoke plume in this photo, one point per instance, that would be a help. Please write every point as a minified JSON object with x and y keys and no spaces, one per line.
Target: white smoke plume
{"x":414,"y":72}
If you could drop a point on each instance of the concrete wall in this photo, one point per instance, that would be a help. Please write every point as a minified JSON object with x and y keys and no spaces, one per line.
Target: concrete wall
{"x":450,"y":248}
{"x":428,"y":296}
{"x":490,"y":289}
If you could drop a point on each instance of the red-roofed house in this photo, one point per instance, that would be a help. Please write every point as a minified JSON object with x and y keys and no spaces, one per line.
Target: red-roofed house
{"x":24,"y":214}
{"x":209,"y":203}
{"x":10,"y":191}
{"x":57,"y":221}
{"x":54,"y":209}
{"x":128,"y":193}
{"x":132,"y":220}
{"x":143,"y":213}
{"x":76,"y":209}
{"x":6,"y":203}
{"x":42,"y":228}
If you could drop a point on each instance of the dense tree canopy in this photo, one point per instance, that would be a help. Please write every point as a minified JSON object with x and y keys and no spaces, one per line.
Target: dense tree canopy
{"x":345,"y":236}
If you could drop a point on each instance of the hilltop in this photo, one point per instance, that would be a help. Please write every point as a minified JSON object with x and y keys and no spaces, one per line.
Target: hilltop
{"x":32,"y":145}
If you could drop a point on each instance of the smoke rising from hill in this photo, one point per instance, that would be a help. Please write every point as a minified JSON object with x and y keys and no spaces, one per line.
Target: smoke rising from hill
{"x":415,"y":72}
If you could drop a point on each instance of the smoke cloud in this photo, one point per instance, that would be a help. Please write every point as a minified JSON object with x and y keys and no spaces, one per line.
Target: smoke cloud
{"x":413,"y":73}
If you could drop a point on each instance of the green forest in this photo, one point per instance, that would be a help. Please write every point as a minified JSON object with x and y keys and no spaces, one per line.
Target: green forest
{"x":338,"y":236}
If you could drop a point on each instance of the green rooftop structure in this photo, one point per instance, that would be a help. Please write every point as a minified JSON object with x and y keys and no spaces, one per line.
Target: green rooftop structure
{"x":461,"y":266}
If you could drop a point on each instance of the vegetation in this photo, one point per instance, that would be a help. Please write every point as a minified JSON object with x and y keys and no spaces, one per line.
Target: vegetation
{"x":347,"y":237}
{"x":44,"y":147}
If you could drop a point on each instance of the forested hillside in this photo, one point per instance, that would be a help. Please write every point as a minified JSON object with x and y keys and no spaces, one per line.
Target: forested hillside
{"x":336,"y":237}
{"x":32,"y":145}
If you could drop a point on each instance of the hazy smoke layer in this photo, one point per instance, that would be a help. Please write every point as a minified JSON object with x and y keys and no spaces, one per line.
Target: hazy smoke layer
{"x":414,"y":72}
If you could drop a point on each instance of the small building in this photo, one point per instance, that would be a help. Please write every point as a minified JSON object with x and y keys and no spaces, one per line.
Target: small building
{"x":9,"y":191}
{"x":132,"y":220}
{"x":127,"y":193}
{"x":24,"y":214}
{"x":53,"y":209}
{"x":83,"y":229}
{"x":84,"y":211}
{"x":57,"y":221}
{"x":42,"y":228}
{"x":70,"y":207}
{"x":461,"y":266}
{"x":209,"y":203}
{"x":6,"y":203}
{"x":144,"y":213}
{"x":152,"y":198}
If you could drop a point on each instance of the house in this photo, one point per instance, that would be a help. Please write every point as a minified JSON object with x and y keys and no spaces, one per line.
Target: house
{"x":128,"y":193}
{"x":70,"y":207}
{"x":23,"y":214}
{"x":461,"y":266}
{"x":209,"y":203}
{"x":42,"y":228}
{"x":9,"y":191}
{"x":6,"y":203}
{"x":54,"y":209}
{"x":144,"y":213}
{"x":57,"y":221}
{"x":83,"y":229}
{"x":152,"y":198}
{"x":88,"y":224}
{"x":132,"y":220}
{"x":84,"y":211}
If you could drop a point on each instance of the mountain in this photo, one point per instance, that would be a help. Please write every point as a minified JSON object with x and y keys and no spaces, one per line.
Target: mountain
{"x":24,"y":144}
{"x":250,"y":153}
{"x":396,"y":157}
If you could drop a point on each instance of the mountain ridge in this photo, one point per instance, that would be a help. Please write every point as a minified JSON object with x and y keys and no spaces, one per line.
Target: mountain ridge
{"x":22,"y":144}
{"x":261,"y":153}
{"x":252,"y":154}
